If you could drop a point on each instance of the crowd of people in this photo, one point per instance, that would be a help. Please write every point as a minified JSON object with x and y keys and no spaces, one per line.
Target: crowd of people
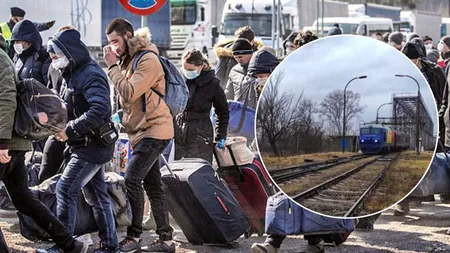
{"x":65,"y":66}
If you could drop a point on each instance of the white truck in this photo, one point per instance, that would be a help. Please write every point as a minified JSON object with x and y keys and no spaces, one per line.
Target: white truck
{"x":364,"y":25}
{"x":422,"y":23}
{"x":191,"y":27}
{"x":304,"y":12}
{"x":254,"y":13}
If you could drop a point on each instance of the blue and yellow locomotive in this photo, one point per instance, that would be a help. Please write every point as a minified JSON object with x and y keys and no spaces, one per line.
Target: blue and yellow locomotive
{"x":375,"y":138}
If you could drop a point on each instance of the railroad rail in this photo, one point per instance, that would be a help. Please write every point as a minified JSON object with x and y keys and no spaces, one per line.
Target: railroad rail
{"x":335,"y":197}
{"x":286,"y":174}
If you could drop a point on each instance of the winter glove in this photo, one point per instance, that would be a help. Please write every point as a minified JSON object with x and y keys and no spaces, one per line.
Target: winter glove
{"x":221,"y":144}
{"x":50,"y":24}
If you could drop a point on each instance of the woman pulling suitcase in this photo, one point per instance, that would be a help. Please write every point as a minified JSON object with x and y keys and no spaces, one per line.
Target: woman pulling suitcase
{"x":193,"y":128}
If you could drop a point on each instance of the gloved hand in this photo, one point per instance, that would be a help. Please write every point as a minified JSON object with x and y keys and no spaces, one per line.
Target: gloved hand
{"x":50,"y":24}
{"x":221,"y":144}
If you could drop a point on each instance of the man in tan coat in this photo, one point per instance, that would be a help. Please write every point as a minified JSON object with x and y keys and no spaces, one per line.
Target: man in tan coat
{"x":148,"y":122}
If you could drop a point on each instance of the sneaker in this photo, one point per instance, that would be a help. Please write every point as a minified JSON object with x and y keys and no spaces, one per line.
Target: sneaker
{"x":263,"y":248}
{"x":401,"y":209}
{"x":130,"y":245}
{"x":314,"y":248}
{"x":79,"y":248}
{"x":106,"y":250}
{"x":159,"y":246}
{"x":86,"y":238}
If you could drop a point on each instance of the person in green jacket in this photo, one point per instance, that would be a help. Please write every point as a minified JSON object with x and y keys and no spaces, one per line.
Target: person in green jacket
{"x":13,"y":172}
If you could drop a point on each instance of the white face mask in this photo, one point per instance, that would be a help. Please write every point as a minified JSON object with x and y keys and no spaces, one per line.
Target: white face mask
{"x":289,"y":51}
{"x":262,"y":81}
{"x":60,"y":63}
{"x":18,"y":48}
{"x":428,"y":46}
{"x":440,"y":47}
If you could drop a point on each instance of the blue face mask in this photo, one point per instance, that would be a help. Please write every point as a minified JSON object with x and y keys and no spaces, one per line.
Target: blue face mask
{"x":191,"y":74}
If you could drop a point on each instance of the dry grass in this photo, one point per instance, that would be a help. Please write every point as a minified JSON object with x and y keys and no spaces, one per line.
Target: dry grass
{"x":273,"y":163}
{"x":296,"y":186}
{"x":398,"y":181}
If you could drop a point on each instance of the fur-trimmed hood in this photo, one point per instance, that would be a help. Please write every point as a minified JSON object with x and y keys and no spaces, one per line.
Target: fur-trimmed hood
{"x":224,"y":49}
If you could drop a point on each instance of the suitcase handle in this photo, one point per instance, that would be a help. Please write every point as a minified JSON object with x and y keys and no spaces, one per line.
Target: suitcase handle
{"x":167,"y":165}
{"x":232,"y":158}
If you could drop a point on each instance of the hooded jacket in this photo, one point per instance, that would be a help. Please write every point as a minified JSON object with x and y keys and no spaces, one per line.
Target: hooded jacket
{"x":262,"y":62}
{"x":34,"y":61}
{"x":87,"y":97}
{"x":241,"y":86}
{"x":156,"y":122}
{"x":226,"y":60}
{"x":8,"y":104}
{"x":194,"y":126}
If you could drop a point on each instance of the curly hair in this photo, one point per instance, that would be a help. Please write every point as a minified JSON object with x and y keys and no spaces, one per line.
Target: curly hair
{"x":304,"y":38}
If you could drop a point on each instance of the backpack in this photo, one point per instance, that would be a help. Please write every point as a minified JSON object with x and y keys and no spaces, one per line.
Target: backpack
{"x":40,"y":112}
{"x":177,"y":92}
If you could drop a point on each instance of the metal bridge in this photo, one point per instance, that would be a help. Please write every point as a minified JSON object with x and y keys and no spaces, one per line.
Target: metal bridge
{"x":404,"y":119}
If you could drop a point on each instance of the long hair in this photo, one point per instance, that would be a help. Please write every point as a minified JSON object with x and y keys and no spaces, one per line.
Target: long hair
{"x":196,"y":57}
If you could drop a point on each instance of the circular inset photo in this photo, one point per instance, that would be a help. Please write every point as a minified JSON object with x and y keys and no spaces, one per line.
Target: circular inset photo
{"x":347,"y":125}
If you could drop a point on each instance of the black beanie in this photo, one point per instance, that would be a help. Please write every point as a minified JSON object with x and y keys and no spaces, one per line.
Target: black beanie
{"x":426,"y":37}
{"x":446,"y":40}
{"x":411,"y":51}
{"x":396,"y":37}
{"x":242,"y":47}
{"x":17,"y":12}
{"x":335,"y":30}
{"x":413,"y":36}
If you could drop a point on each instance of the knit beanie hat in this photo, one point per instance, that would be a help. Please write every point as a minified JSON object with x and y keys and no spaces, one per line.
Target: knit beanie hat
{"x":242,"y":47}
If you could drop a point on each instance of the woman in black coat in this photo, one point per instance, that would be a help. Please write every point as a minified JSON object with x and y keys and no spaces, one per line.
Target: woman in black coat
{"x":194,"y":135}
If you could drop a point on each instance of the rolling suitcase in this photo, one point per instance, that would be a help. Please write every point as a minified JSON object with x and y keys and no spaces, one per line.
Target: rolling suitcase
{"x":201,"y":203}
{"x":251,"y":186}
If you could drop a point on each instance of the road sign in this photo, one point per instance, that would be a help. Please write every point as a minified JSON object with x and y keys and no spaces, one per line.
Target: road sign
{"x":143,"y":7}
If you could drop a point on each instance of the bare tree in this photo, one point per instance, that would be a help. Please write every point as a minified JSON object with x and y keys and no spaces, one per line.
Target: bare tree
{"x":332,"y":108}
{"x":277,"y":113}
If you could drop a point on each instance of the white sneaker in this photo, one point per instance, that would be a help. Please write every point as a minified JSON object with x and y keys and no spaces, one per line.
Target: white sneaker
{"x":86,"y":238}
{"x":263,"y":248}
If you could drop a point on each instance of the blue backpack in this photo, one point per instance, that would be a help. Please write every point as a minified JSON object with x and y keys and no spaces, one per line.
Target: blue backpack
{"x":177,"y":92}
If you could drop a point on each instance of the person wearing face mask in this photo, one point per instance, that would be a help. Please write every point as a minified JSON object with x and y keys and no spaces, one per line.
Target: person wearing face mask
{"x":444,"y":49}
{"x":12,"y":164}
{"x":288,"y":44}
{"x":86,"y":93}
{"x":261,"y":66}
{"x":31,"y":59}
{"x":18,"y":15}
{"x":396,"y":40}
{"x":240,"y":86}
{"x":435,"y":77}
{"x":428,"y":41}
{"x":193,"y":128}
{"x":149,"y":129}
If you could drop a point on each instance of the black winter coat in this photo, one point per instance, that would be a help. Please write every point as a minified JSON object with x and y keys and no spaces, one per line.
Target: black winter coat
{"x":193,"y":128}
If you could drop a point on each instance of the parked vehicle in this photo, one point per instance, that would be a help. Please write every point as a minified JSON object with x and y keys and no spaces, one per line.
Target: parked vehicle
{"x":365,"y":26}
{"x":422,"y":23}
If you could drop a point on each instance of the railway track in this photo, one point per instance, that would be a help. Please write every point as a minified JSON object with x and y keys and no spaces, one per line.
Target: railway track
{"x":286,"y":174}
{"x":344,"y":194}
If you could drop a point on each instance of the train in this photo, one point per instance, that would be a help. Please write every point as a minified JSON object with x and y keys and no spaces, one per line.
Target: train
{"x":376,"y":138}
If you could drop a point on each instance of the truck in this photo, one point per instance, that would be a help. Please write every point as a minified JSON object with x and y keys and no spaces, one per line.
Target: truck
{"x":90,"y":18}
{"x":421,"y":22}
{"x":365,"y":26}
{"x":255,"y":13}
{"x":375,"y":11}
{"x":191,"y":25}
{"x":304,"y":12}
{"x":445,"y":27}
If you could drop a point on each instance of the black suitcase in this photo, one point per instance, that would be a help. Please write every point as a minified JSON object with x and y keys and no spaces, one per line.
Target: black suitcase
{"x":201,"y":203}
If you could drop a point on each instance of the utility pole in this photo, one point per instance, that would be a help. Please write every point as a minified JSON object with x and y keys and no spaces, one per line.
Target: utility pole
{"x":144,"y":22}
{"x":273,"y":23}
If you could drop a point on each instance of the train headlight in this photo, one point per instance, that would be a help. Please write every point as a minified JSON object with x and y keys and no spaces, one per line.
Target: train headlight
{"x":362,"y":140}
{"x":376,"y":141}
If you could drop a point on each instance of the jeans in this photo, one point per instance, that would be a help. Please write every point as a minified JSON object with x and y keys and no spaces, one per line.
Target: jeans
{"x":52,"y":158}
{"x":144,"y":167}
{"x":80,"y":174}
{"x":15,"y":179}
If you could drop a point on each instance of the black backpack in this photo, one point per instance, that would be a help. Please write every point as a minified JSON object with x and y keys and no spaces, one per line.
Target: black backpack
{"x":40,"y":112}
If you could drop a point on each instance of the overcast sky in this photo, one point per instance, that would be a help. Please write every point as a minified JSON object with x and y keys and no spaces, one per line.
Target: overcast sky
{"x":329,"y":63}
